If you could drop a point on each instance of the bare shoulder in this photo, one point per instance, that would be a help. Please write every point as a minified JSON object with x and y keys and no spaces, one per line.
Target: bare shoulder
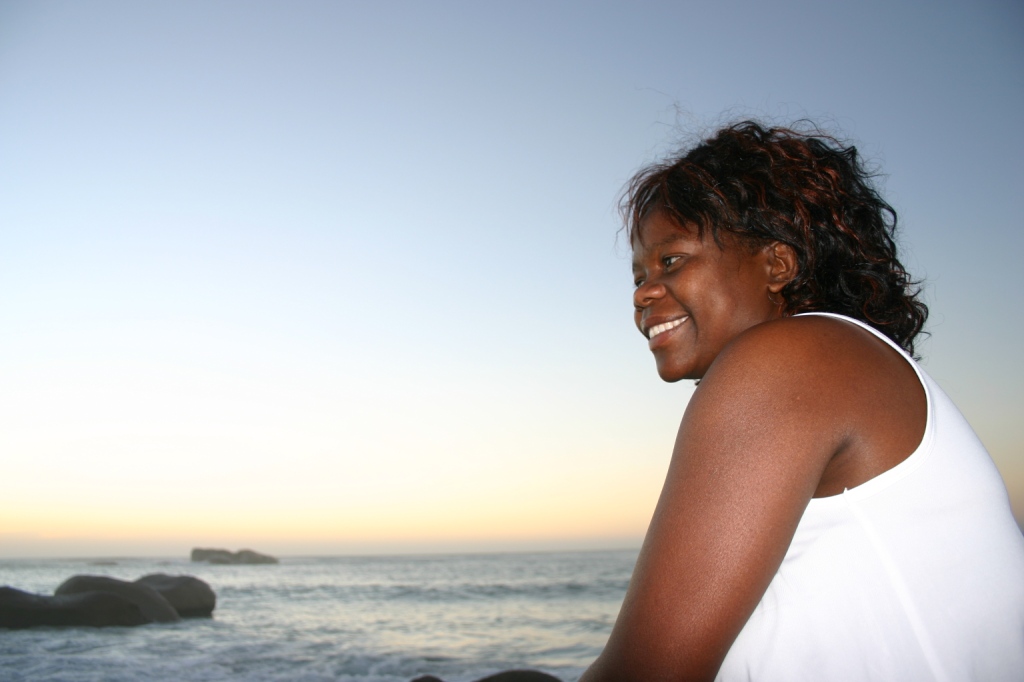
{"x":816,"y":351}
{"x":791,"y":378}
{"x":825,"y":378}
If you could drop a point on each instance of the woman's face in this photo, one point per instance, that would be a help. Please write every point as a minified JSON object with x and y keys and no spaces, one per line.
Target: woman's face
{"x":692,"y":297}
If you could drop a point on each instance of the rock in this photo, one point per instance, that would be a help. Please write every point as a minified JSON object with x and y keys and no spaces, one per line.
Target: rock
{"x":506,"y":676}
{"x":96,"y":600}
{"x":20,"y":609}
{"x":223,"y":556}
{"x":154,"y":607}
{"x":247,"y":556}
{"x":190,"y":596}
{"x":520,"y":676}
{"x":213,"y":556}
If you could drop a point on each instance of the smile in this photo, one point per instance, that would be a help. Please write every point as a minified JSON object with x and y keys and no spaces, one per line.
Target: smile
{"x":664,"y":327}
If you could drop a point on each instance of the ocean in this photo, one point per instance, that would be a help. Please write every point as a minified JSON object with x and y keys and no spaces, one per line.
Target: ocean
{"x":338,"y":619}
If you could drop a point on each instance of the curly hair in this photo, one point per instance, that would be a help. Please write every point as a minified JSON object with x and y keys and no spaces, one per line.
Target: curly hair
{"x":809,"y":191}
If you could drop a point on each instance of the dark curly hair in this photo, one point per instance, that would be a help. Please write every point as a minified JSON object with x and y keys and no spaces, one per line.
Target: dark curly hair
{"x":806,"y":190}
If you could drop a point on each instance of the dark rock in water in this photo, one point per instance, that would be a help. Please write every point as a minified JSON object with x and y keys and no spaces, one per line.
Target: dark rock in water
{"x":520,"y":676}
{"x":190,"y":596}
{"x":506,"y":676}
{"x":213,"y":556}
{"x":247,"y":556}
{"x":154,"y":607}
{"x":223,"y":556}
{"x":96,"y":609}
{"x":96,"y":600}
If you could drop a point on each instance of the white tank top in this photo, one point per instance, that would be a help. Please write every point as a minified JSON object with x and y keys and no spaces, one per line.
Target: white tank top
{"x":917,"y":574}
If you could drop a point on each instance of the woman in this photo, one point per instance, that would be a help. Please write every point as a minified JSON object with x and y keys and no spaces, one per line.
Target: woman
{"x":827,"y":514}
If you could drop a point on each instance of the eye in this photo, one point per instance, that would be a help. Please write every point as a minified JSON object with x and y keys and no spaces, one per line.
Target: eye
{"x":638,"y":282}
{"x":669,"y":261}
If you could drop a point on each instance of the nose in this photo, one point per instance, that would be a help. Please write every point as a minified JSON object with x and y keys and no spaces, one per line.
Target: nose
{"x":647,"y":293}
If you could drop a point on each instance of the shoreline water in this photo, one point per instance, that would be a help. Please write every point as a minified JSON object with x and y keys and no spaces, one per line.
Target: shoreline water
{"x":352,"y":618}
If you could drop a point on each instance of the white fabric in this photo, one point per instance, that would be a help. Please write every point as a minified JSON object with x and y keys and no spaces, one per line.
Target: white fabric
{"x":917,"y":574}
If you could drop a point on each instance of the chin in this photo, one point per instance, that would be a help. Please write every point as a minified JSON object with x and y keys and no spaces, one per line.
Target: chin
{"x":673,"y":374}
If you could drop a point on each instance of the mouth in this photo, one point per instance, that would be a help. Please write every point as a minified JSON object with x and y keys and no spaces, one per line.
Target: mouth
{"x":665,"y":326}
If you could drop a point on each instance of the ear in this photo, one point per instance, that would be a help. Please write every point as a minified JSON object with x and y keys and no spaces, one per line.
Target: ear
{"x":782,"y":265}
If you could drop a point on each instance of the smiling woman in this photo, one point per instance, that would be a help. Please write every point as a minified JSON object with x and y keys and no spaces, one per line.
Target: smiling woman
{"x":827,"y":513}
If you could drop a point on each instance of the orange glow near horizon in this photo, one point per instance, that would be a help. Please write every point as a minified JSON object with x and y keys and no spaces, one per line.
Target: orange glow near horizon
{"x":475,"y":519}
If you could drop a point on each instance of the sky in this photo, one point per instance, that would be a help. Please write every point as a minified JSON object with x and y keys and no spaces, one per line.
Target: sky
{"x":339,"y":277}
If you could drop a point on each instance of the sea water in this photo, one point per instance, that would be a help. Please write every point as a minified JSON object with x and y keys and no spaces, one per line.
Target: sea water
{"x":344,"y":619}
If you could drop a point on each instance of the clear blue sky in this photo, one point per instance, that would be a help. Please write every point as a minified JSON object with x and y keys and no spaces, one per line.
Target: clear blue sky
{"x":325,"y":276}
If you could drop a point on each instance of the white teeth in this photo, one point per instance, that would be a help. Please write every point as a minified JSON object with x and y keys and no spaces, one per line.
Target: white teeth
{"x":659,"y":328}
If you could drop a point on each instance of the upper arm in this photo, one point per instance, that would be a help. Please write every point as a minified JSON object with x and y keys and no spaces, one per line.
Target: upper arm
{"x":751,"y":449}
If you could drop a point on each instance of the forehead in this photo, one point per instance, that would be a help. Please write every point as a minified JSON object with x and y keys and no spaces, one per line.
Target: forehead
{"x":658,"y":230}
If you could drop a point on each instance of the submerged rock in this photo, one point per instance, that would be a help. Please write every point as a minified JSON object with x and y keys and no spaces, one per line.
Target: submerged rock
{"x":224,"y":556}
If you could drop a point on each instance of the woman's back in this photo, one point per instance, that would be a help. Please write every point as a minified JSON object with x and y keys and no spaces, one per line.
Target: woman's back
{"x":919,"y":569}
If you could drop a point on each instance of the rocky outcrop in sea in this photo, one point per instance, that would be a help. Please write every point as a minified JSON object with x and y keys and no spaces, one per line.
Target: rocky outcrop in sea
{"x":224,"y":556}
{"x":99,"y":601}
